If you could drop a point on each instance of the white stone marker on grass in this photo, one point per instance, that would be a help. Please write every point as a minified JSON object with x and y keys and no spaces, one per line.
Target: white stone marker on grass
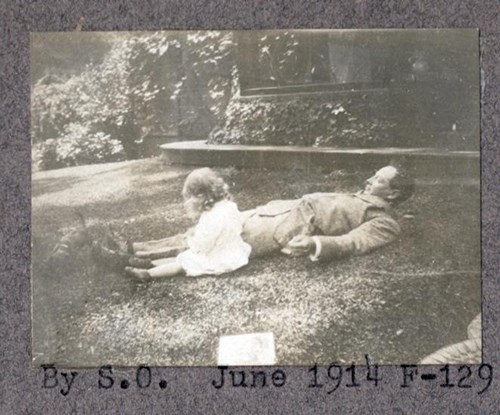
{"x":253,"y":349}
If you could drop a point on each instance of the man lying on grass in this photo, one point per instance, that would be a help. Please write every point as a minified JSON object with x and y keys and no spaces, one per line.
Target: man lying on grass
{"x":321,"y":226}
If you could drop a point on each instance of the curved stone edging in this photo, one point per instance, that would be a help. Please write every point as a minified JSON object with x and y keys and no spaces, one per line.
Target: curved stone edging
{"x":425,"y":160}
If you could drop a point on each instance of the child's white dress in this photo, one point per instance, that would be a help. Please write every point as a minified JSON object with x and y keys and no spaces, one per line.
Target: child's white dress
{"x":216,"y":245}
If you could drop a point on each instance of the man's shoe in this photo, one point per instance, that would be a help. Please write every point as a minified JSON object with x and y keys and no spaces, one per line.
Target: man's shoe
{"x":130,"y":247}
{"x":109,"y":258}
{"x":115,"y":243}
{"x":143,"y":263}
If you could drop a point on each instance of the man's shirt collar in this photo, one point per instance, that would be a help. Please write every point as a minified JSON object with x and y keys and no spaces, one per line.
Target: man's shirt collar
{"x":374,"y":200}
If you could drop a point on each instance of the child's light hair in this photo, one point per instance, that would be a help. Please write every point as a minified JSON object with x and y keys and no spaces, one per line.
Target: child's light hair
{"x":206,"y":184}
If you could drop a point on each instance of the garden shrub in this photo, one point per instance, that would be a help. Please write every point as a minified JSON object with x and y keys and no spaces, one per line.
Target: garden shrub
{"x":172,"y":83}
{"x":312,"y":121}
{"x":77,"y":147}
{"x":391,"y":117}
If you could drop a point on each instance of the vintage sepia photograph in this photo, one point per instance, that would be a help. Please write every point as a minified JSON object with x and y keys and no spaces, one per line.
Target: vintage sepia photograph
{"x":263,"y":197}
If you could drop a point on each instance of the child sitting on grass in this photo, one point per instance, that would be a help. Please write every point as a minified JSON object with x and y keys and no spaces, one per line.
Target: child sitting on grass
{"x":215,"y":246}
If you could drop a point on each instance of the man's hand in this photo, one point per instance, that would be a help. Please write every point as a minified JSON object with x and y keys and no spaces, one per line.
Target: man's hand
{"x":300,"y":245}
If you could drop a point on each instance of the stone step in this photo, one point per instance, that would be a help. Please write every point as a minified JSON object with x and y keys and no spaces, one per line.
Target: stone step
{"x":426,"y":161}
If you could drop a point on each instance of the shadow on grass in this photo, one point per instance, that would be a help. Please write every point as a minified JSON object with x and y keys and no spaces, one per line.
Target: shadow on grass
{"x":398,"y":303}
{"x":48,"y":185}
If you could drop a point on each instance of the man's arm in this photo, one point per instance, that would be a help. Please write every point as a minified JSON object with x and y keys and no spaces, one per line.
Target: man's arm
{"x":378,"y":230}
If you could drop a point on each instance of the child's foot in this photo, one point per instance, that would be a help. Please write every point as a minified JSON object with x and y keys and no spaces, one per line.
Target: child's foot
{"x":140,"y":274}
{"x":143,"y":263}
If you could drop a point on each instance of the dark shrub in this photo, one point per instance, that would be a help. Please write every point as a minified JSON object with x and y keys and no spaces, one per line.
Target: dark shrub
{"x":312,"y":121}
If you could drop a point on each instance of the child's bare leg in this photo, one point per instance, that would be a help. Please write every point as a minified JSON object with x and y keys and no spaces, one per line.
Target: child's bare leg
{"x":169,"y":268}
{"x":165,"y":245}
{"x":161,"y":261}
{"x":166,"y":252}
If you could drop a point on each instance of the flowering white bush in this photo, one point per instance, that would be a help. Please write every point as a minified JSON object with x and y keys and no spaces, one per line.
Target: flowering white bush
{"x":76,"y":147}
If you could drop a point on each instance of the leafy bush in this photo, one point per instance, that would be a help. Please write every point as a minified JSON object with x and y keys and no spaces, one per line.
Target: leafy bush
{"x":78,"y":146}
{"x":174,"y":82}
{"x":104,"y":99}
{"x":311,"y":121}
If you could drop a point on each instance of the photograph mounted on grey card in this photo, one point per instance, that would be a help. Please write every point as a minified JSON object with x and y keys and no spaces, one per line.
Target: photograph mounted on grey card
{"x":204,"y":198}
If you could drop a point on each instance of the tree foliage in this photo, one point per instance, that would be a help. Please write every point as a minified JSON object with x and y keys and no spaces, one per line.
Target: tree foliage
{"x":167,"y":82}
{"x":292,"y":87}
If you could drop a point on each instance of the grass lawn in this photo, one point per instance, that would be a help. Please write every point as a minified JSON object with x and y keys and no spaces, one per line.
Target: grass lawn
{"x":398,"y":304}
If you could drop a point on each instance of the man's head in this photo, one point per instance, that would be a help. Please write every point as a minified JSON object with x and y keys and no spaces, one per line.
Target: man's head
{"x":391,"y":184}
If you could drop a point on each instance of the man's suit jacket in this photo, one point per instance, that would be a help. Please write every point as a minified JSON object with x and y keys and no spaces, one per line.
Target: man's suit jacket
{"x":345,"y":224}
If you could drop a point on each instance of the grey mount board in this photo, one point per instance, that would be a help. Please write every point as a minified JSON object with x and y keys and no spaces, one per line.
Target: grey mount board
{"x":189,"y":390}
